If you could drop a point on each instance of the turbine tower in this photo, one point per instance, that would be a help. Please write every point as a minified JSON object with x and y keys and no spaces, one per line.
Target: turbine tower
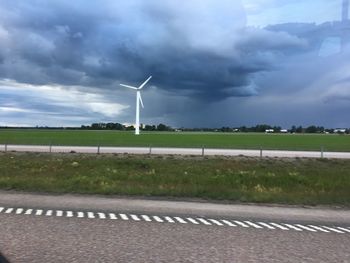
{"x":345,"y":25}
{"x":345,"y":10}
{"x":138,"y":101}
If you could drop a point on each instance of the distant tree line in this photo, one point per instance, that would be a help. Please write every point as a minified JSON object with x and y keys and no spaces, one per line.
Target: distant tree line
{"x":122,"y":127}
{"x":276,"y":129}
{"x":163,"y":127}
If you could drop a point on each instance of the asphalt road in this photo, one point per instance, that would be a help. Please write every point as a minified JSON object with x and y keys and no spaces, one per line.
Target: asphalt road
{"x":68,"y":228}
{"x":178,"y":151}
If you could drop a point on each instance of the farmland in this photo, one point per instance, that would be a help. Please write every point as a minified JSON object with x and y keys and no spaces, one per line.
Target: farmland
{"x":312,"y":142}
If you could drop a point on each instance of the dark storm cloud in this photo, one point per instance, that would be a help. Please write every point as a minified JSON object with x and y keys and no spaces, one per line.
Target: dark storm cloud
{"x":200,"y":49}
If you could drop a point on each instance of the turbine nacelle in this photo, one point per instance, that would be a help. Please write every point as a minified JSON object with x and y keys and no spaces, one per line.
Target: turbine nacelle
{"x":137,"y":88}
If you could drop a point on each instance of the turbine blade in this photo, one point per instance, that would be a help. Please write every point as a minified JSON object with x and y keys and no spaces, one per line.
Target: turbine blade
{"x":143,"y":84}
{"x":140,"y":98}
{"x":127,"y":86}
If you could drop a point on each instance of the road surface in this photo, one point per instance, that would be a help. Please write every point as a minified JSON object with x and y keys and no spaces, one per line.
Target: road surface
{"x":177,"y":151}
{"x":69,"y":228}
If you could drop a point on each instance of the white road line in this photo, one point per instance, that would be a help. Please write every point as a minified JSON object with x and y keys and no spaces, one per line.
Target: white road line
{"x":216,"y":222}
{"x":146,"y":218}
{"x":196,"y":221}
{"x":205,"y":222}
{"x":48,"y":213}
{"x":306,"y":228}
{"x":69,"y":214}
{"x":279,"y":226}
{"x":90,"y":215}
{"x":8,"y":210}
{"x":180,"y":220}
{"x":240,"y":223}
{"x":253,"y":225}
{"x":266,"y":225}
{"x":333,"y":229}
{"x":227,"y":222}
{"x":101,"y":215}
{"x":59,"y":213}
{"x":39,"y":212}
{"x":293,"y":227}
{"x":19,"y":211}
{"x":123,"y":216}
{"x":343,"y":229}
{"x":28,"y":212}
{"x":192,"y":220}
{"x":319,"y":228}
{"x":112,"y":216}
{"x":158,"y":219}
{"x":135,"y":218}
{"x":169,"y":219}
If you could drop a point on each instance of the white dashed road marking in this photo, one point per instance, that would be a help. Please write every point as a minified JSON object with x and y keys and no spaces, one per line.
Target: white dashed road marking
{"x":306,"y":228}
{"x":343,"y":229}
{"x":90,"y":215}
{"x":8,"y":210}
{"x":178,"y":219}
{"x":240,"y":223}
{"x":228,"y":222}
{"x":293,"y":227}
{"x":266,"y":225}
{"x":253,"y":225}
{"x":205,"y":222}
{"x":146,"y":218}
{"x":101,"y":215}
{"x":279,"y":226}
{"x":48,"y":213}
{"x":28,"y":212}
{"x":59,"y":213}
{"x":319,"y":228}
{"x":112,"y":216}
{"x":19,"y":211}
{"x":216,"y":222}
{"x":192,"y":221}
{"x":158,"y":219}
{"x":333,"y":229}
{"x":123,"y":216}
{"x":169,"y":219}
{"x":134,"y":217}
{"x":39,"y":212}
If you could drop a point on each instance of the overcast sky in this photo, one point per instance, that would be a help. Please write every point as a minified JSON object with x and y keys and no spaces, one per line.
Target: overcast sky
{"x":214,"y":63}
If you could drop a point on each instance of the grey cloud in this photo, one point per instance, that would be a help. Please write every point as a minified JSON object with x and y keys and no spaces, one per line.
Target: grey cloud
{"x":61,"y":42}
{"x":208,"y":68}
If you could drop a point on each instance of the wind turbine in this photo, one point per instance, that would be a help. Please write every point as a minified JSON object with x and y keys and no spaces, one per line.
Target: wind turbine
{"x":138,"y":101}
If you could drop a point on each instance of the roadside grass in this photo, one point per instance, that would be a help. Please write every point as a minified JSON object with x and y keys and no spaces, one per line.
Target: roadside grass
{"x":181,"y":139}
{"x":243,"y":179}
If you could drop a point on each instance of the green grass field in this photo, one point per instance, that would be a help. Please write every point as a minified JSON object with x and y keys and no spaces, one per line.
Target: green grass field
{"x":267,"y":180}
{"x":181,"y":139}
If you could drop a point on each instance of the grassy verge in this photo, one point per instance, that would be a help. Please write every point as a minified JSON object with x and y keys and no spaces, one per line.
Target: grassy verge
{"x":182,"y":139}
{"x":290,"y":181}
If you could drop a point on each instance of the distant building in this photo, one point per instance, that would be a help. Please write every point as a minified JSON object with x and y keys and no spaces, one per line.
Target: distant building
{"x":284,"y":131}
{"x":340,"y":130}
{"x":269,"y":131}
